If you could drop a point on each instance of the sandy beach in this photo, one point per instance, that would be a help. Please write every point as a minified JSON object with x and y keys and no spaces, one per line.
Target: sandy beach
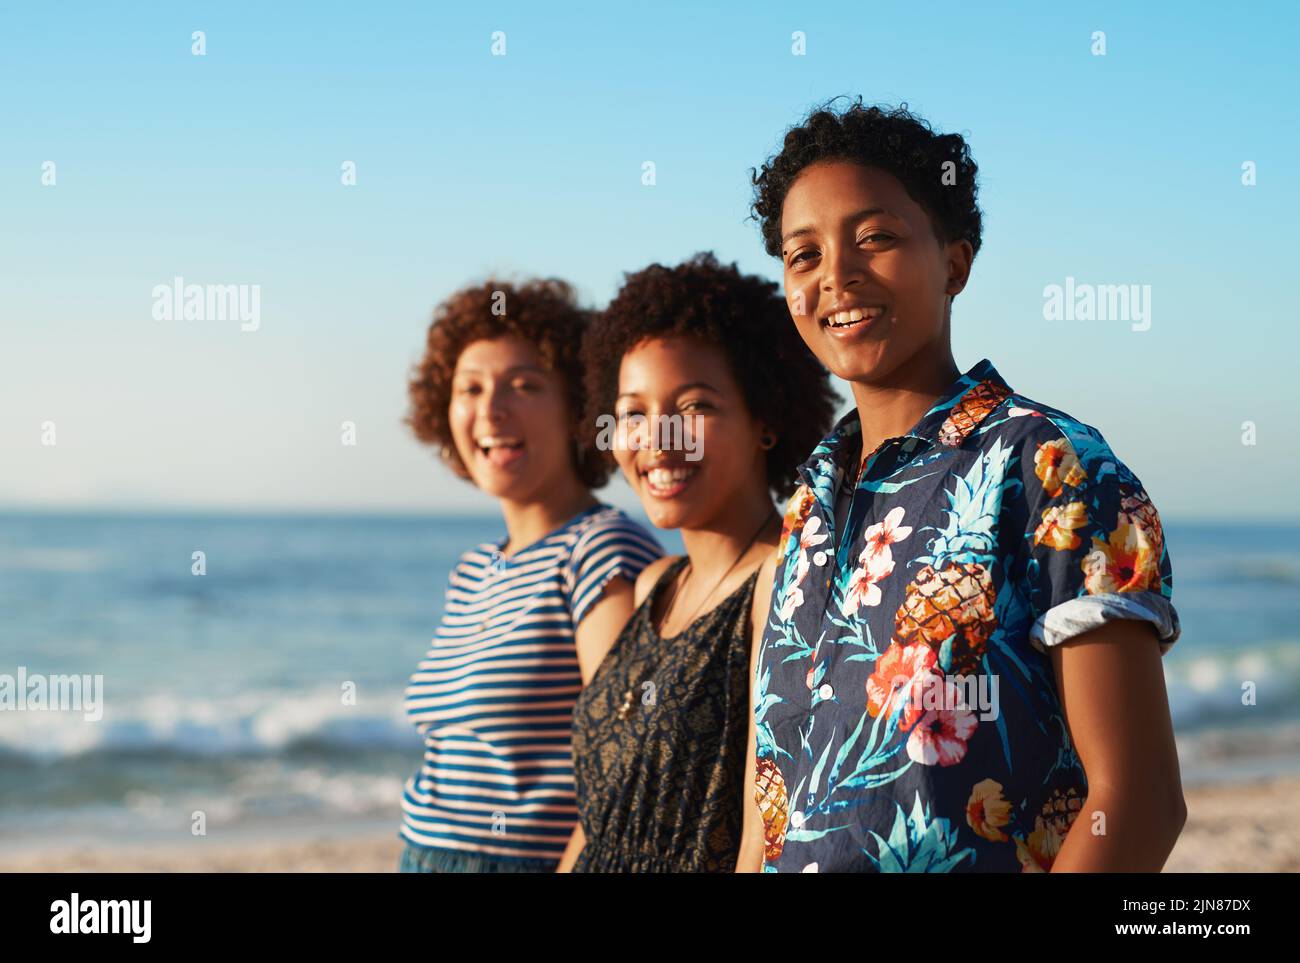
{"x":361,"y":854}
{"x":1230,"y":828}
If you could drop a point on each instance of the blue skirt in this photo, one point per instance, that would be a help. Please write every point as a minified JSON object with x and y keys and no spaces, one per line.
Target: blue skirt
{"x":425,"y":859}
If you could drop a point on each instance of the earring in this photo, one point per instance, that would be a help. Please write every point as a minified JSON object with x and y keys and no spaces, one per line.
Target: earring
{"x":767,"y":441}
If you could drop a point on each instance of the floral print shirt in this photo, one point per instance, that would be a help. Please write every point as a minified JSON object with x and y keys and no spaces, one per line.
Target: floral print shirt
{"x":907,"y":712}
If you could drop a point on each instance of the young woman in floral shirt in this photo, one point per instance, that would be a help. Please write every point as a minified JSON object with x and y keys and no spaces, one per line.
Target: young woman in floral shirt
{"x":961,"y":666}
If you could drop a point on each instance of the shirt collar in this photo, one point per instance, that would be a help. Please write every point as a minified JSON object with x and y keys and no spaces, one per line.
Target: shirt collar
{"x":961,"y":408}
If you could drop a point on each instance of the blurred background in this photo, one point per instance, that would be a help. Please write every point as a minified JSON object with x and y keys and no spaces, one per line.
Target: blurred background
{"x":130,"y":159}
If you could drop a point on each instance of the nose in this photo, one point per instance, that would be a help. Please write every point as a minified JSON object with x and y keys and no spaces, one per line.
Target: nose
{"x":842,"y":269}
{"x":640,"y":434}
{"x":492,"y":403}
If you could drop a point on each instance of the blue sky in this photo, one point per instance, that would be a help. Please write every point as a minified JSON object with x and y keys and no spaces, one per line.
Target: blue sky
{"x":225,"y":168}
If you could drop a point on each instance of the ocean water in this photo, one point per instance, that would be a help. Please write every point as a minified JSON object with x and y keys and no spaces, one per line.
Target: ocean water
{"x":224,"y":693}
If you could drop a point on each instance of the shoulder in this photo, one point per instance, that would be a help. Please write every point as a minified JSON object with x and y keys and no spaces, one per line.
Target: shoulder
{"x":1061,"y":472}
{"x":650,"y":576}
{"x":1044,"y":436}
{"x":610,"y":526}
{"x":606,"y":545}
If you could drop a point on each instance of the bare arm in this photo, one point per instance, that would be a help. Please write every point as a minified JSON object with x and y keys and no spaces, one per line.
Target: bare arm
{"x":750,"y":859}
{"x":1112,"y":689}
{"x":576,"y":842}
{"x":601,"y":626}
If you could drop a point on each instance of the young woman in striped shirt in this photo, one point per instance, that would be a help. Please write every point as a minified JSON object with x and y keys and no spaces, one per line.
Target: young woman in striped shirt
{"x":527,"y":618}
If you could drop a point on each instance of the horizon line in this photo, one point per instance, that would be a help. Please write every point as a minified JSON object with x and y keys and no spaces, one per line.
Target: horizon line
{"x":362,"y":511}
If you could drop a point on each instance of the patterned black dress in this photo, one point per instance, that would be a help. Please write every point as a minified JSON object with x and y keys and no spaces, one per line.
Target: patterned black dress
{"x":659,"y":743}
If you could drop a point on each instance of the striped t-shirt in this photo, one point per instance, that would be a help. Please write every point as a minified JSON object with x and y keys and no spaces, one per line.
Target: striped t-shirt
{"x":494,"y":696}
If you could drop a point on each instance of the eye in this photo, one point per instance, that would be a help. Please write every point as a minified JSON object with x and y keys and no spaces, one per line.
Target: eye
{"x":627,"y":413}
{"x":696,"y":405}
{"x":802,"y":256}
{"x":468,"y":389}
{"x":876,"y":237}
{"x":528,"y":387}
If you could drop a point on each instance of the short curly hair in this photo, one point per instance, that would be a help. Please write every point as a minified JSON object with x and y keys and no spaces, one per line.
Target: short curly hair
{"x":543,"y":312}
{"x":891,"y":139}
{"x":783,"y":384}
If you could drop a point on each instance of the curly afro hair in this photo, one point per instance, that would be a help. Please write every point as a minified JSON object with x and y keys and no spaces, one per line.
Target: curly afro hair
{"x":783,"y":384}
{"x":891,"y":139}
{"x":544,"y":313}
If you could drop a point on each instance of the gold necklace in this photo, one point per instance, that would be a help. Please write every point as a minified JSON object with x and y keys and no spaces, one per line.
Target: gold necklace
{"x":679,"y":584}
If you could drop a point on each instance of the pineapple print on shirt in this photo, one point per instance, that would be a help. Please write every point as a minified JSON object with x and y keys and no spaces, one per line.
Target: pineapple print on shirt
{"x":907,"y":715}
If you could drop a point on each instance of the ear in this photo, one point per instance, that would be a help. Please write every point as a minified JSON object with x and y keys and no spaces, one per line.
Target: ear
{"x":959,"y":255}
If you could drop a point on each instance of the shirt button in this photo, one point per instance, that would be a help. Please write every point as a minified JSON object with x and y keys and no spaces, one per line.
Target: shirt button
{"x":826,"y":691}
{"x":796,"y":819}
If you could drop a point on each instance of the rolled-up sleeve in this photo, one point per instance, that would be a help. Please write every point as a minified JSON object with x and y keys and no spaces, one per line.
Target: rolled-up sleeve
{"x":1095,"y":543}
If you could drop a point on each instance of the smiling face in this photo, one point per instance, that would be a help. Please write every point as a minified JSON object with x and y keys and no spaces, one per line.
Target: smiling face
{"x":510,"y":421}
{"x":682,"y":390}
{"x":866,"y":279}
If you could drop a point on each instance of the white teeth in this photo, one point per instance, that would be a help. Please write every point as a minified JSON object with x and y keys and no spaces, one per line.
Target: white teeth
{"x":841,"y":318}
{"x":492,"y":441}
{"x":667,"y":477}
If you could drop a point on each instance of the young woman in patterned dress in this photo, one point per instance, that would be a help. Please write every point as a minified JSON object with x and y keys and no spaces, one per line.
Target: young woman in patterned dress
{"x":717,"y":401}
